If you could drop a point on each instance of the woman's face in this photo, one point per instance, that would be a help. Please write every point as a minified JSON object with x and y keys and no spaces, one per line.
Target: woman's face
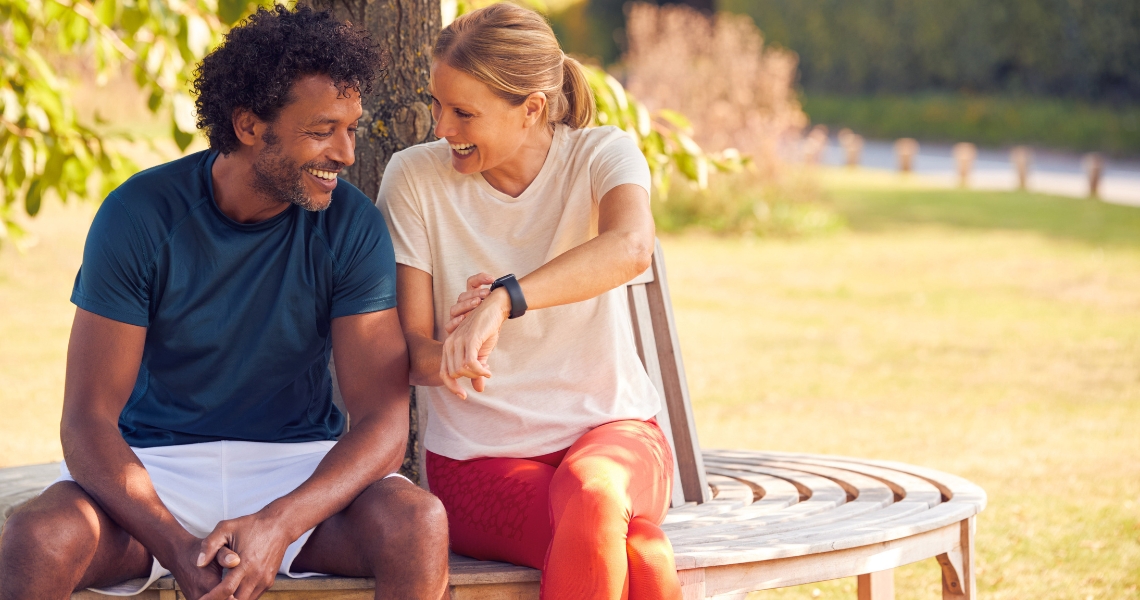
{"x":482,"y":129}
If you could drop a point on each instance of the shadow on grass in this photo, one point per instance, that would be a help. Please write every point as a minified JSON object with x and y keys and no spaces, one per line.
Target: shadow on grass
{"x":1081,"y":220}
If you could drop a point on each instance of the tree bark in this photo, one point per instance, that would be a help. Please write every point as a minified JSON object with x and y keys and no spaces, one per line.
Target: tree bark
{"x":398,"y":112}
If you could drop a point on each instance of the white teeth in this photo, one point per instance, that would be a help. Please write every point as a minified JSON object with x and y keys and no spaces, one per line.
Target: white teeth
{"x":326,"y":175}
{"x":463,"y":149}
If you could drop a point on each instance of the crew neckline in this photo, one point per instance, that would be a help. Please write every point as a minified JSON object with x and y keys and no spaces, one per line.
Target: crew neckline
{"x":208,"y":174}
{"x":543,"y":173}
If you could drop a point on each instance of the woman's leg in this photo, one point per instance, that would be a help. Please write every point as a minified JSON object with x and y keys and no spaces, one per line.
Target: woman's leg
{"x":606,"y":501}
{"x":497,"y":508}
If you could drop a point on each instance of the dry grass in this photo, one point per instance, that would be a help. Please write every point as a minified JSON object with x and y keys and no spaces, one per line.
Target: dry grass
{"x":996,"y":336}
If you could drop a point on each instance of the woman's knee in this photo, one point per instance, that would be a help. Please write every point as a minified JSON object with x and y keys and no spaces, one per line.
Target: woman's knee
{"x":647,"y":543}
{"x":592,"y":485}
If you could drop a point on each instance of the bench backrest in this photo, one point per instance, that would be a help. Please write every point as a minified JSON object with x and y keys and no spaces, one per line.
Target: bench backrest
{"x":655,"y":333}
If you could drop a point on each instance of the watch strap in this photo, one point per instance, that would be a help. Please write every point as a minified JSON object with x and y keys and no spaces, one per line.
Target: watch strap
{"x":514,"y":291}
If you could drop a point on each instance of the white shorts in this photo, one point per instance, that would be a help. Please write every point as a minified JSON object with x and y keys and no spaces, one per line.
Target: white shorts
{"x":202,"y":484}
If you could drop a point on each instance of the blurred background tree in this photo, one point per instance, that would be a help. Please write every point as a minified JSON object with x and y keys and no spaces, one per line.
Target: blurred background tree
{"x":44,"y":145}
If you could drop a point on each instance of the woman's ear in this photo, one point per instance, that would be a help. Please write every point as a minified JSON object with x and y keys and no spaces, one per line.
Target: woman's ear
{"x":535,"y":108}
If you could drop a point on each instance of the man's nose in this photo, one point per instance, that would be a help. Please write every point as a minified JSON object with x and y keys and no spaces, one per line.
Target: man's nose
{"x":343,"y":149}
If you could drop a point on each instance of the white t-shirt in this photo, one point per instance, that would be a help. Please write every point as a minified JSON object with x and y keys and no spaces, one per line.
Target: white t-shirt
{"x":557,"y":372}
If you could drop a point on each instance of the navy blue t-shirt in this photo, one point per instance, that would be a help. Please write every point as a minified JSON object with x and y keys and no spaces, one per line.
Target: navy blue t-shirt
{"x":238,"y":315}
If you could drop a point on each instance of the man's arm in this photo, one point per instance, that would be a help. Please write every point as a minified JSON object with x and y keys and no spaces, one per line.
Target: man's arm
{"x":103,"y":358}
{"x":372,"y":370}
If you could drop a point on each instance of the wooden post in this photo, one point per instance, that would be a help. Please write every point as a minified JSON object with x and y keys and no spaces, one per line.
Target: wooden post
{"x":1094,"y":167}
{"x":815,"y":144}
{"x":1021,"y":156}
{"x":906,"y":149}
{"x":398,"y":114}
{"x":853,"y":150}
{"x":877,"y":586}
{"x":964,"y":155}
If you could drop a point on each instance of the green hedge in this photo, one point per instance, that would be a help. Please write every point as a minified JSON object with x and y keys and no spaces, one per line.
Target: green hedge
{"x":1072,"y":48}
{"x":984,"y":120}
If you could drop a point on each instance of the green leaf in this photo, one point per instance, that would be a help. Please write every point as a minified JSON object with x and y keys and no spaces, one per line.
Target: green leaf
{"x":230,"y":11}
{"x":105,"y":11}
{"x":132,"y":19}
{"x":676,"y":119}
{"x":181,"y":138}
{"x":34,"y":198}
{"x":155,"y":100}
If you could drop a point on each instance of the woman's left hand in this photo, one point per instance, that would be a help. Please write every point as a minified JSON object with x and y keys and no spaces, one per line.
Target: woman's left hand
{"x":473,"y":332}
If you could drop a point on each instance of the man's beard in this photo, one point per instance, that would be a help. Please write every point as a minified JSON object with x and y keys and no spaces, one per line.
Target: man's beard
{"x":278,"y":178}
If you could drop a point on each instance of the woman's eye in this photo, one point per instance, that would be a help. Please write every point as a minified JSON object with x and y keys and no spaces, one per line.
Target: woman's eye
{"x":463,"y":115}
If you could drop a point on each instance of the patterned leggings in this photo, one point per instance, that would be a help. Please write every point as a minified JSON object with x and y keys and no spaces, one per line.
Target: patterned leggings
{"x":587,"y":516}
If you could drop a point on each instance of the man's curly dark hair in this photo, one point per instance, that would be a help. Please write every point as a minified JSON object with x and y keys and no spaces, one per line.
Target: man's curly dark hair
{"x":257,"y":64}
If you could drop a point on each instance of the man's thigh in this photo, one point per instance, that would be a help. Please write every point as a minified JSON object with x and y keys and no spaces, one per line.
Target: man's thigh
{"x":391,"y":522}
{"x":65,"y":522}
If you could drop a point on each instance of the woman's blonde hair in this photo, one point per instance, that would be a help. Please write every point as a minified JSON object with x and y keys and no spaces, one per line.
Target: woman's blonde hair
{"x":514,"y":51}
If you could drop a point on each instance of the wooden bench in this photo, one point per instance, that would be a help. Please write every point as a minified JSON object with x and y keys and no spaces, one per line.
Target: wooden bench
{"x":741,"y":521}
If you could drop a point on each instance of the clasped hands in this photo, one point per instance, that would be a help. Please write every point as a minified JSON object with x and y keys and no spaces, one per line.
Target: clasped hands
{"x":251,"y":547}
{"x":472,"y":333}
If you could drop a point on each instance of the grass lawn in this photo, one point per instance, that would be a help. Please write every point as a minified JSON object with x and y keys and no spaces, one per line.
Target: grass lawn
{"x":992,"y":335}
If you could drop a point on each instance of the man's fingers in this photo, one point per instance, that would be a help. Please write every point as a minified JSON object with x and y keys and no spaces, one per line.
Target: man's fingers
{"x":227,"y":587}
{"x":228,"y":558}
{"x":210,"y":547}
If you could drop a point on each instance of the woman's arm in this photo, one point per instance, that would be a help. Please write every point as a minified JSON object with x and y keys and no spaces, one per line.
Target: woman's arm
{"x":417,"y":319}
{"x":621,"y":251}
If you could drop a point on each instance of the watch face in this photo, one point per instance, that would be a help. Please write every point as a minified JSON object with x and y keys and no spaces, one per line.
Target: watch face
{"x":502,"y":280}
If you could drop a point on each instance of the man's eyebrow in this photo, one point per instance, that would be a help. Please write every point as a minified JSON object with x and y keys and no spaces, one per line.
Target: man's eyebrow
{"x":323,"y":120}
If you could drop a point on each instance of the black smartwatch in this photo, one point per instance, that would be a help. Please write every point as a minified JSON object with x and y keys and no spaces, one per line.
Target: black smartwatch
{"x":514,"y":290}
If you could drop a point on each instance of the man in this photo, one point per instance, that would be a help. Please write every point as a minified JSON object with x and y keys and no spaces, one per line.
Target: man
{"x":198,"y":425}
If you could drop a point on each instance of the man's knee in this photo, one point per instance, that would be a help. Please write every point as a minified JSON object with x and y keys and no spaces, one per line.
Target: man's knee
{"x":410,"y":520}
{"x":57,"y":537}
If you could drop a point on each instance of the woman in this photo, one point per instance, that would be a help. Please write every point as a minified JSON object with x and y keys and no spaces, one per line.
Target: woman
{"x":555,"y":462}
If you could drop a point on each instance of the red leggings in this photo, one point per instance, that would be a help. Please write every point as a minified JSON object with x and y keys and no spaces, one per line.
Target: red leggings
{"x":587,"y":516}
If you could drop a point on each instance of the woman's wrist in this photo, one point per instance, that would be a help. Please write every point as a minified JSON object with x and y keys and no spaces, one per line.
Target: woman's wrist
{"x":499,"y":301}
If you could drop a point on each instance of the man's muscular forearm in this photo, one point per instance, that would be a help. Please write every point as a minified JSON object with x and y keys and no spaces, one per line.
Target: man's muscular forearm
{"x":106,"y":468}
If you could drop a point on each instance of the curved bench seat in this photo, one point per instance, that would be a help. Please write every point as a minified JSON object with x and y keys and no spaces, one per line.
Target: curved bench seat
{"x":773,"y":519}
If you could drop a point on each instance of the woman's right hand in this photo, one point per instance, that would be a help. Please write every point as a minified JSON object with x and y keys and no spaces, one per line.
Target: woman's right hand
{"x":473,"y":332}
{"x":468,"y":300}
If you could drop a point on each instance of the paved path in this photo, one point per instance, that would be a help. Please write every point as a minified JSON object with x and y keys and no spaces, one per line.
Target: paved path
{"x":1050,"y":172}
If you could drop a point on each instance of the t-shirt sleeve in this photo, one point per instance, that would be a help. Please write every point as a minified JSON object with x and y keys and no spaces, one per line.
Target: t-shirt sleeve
{"x":366,"y":277}
{"x":618,"y":162}
{"x":397,"y":200}
{"x":113,"y":281}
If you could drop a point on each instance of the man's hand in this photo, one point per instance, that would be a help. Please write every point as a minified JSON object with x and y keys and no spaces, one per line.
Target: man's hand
{"x":252,"y":548}
{"x":196,"y":581}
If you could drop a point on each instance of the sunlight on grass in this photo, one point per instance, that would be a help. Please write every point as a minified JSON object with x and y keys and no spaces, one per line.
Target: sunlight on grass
{"x":992,"y":335}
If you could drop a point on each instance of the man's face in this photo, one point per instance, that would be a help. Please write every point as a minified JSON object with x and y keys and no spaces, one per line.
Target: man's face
{"x":312,"y":139}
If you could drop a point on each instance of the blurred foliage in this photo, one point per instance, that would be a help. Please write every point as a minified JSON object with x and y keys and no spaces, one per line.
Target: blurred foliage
{"x":749,"y":203}
{"x":664,"y":136}
{"x":986,"y":120}
{"x":43,"y":145}
{"x":1086,"y":49}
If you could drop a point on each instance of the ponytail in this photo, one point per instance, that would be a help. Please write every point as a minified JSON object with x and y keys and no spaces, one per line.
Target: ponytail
{"x":577,"y":95}
{"x":514,"y":52}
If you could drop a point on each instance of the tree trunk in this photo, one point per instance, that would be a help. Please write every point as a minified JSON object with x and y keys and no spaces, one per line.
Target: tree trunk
{"x":398,"y":113}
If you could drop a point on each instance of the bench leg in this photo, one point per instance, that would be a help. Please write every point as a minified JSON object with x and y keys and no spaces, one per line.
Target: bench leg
{"x":958,"y":566}
{"x":877,"y":586}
